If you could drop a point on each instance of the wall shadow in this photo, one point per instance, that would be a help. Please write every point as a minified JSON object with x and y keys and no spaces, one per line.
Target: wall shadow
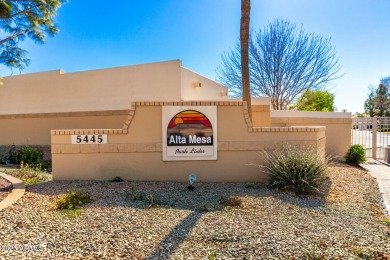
{"x":175,"y":238}
{"x":174,"y":195}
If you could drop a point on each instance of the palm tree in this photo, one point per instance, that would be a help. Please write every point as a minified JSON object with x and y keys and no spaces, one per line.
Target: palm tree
{"x":244,"y":41}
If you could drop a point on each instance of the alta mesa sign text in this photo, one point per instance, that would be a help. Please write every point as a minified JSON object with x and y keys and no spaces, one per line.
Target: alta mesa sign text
{"x":189,"y":133}
{"x":192,"y":139}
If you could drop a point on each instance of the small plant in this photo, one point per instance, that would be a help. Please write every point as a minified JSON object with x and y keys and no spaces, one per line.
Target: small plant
{"x":139,"y":196}
{"x":232,"y":201}
{"x":386,"y":220}
{"x":34,"y":180}
{"x":204,"y":208}
{"x":215,"y":252}
{"x":356,"y":154}
{"x":313,"y":254}
{"x":3,"y":157}
{"x":31,"y":156}
{"x":150,"y":200}
{"x":73,"y":213}
{"x":30,"y":175}
{"x":72,"y":200}
{"x":117,"y":179}
{"x":25,"y":168}
{"x":296,"y":169}
{"x":13,"y":156}
{"x":366,"y":253}
{"x":213,"y":255}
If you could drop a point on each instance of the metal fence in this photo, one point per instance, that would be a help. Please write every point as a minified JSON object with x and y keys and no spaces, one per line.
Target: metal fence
{"x":373,"y":133}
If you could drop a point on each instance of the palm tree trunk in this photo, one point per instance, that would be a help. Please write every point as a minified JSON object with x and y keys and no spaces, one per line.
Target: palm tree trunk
{"x":244,"y":41}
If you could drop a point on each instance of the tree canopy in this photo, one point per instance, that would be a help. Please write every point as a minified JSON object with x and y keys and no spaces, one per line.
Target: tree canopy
{"x":315,"y":100}
{"x":386,"y":81}
{"x":283,"y":61}
{"x":378,"y":101}
{"x":21,"y":19}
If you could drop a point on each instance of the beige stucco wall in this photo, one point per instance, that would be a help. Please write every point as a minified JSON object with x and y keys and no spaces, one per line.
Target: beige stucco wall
{"x":261,"y":115}
{"x":33,"y":104}
{"x":34,"y":129}
{"x":209,"y":90}
{"x":338,"y":126}
{"x":134,"y":152}
{"x":104,"y":89}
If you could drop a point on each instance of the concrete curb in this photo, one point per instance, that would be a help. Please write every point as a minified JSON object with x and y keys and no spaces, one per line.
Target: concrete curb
{"x":381,"y":172}
{"x":18,"y":190}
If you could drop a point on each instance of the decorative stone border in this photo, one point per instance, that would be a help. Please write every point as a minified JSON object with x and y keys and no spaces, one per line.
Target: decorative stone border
{"x":18,"y":190}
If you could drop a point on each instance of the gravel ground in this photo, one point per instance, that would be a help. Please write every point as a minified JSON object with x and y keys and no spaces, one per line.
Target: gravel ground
{"x":5,"y":188}
{"x":345,"y":222}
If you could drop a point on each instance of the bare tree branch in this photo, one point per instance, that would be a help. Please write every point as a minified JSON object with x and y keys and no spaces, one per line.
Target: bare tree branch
{"x":284,"y":62}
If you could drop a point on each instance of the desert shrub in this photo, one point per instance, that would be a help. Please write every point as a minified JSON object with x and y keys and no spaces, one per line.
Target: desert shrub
{"x":149,"y":200}
{"x":356,"y":154}
{"x":12,"y":156}
{"x":45,"y":166}
{"x":3,"y":156}
{"x":117,"y":179}
{"x":30,"y":174}
{"x":31,"y":156}
{"x":72,"y":200}
{"x":34,"y":180}
{"x":27,"y":155}
{"x":296,"y":169}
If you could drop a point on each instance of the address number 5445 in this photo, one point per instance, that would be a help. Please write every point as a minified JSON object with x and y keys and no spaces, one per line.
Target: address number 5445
{"x":89,"y":139}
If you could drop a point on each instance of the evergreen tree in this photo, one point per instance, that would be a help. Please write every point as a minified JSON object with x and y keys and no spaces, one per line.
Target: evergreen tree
{"x":378,"y":102}
{"x":21,"y":19}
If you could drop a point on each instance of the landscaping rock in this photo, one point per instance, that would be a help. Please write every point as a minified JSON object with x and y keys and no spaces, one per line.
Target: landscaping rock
{"x":344,"y":222}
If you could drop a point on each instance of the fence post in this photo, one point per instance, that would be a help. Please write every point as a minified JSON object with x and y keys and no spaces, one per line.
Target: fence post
{"x":374,"y":133}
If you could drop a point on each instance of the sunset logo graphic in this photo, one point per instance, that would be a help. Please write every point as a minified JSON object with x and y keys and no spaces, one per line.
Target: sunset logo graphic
{"x":190,"y":128}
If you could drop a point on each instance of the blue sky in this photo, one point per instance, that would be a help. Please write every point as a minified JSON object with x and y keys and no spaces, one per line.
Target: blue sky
{"x":94,"y":35}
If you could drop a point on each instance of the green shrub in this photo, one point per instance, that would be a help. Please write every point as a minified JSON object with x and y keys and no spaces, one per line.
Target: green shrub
{"x":29,"y":174}
{"x":296,"y":169}
{"x":27,"y":155}
{"x":34,"y":180}
{"x":12,"y":156}
{"x":356,"y":154}
{"x":31,"y":156}
{"x":72,"y":200}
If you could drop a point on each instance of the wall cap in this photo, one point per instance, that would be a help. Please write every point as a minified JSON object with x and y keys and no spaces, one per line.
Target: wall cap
{"x":135,"y":104}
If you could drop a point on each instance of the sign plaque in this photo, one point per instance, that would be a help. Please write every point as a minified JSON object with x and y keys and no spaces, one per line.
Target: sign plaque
{"x":189,"y":133}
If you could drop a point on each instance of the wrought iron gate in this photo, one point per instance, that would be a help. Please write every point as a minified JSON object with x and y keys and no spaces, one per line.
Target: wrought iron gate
{"x":373,"y":133}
